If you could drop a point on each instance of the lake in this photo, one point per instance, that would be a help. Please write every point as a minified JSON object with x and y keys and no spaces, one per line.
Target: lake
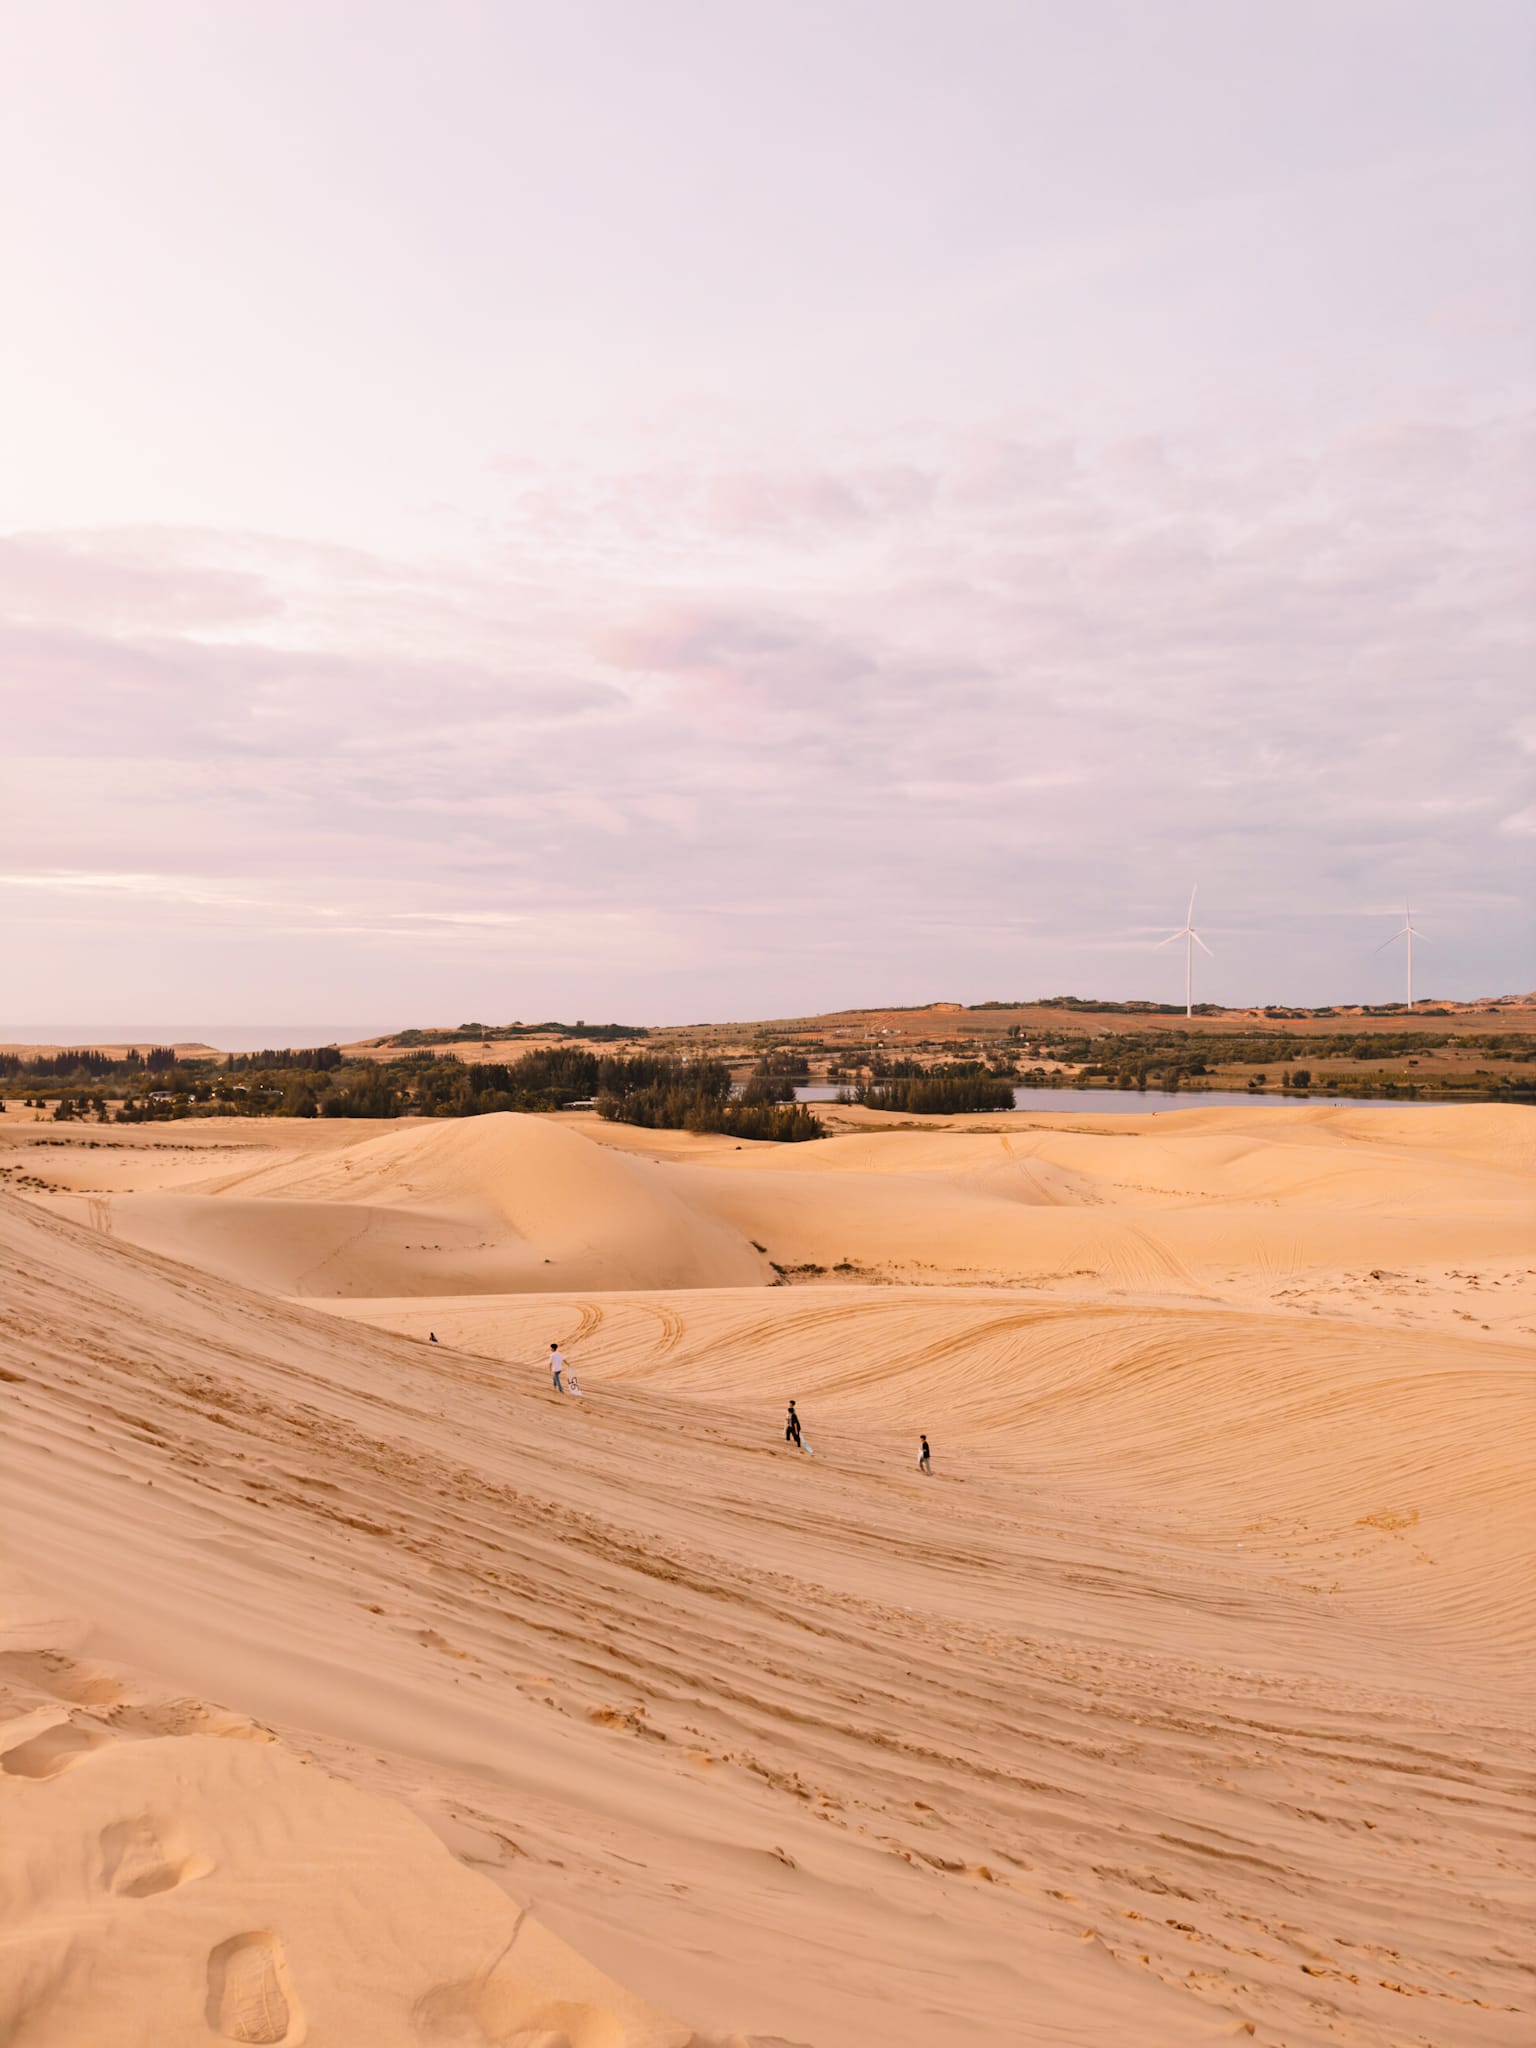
{"x":1142,"y":1101}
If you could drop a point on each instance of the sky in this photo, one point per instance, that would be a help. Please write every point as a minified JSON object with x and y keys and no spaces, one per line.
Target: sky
{"x":663,"y":510}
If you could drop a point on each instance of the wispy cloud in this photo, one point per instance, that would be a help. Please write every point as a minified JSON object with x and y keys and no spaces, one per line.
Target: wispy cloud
{"x":1121,"y":668}
{"x":149,"y":888}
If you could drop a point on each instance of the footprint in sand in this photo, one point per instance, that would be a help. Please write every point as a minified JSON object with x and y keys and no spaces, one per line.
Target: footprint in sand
{"x":249,"y":1996}
{"x":185,"y":1717}
{"x":47,"y":1671}
{"x":135,"y":1863}
{"x":53,"y":1750}
{"x":511,"y":2014}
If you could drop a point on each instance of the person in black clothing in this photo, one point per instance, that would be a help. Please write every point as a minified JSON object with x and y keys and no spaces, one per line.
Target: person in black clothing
{"x":792,"y":1428}
{"x":922,"y":1463}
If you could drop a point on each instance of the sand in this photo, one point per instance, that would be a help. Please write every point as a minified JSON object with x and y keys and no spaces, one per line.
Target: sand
{"x":355,"y":1688}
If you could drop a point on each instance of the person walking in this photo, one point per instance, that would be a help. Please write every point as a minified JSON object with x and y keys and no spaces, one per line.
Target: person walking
{"x":922,"y":1463}
{"x":431,"y":1336}
{"x":793,"y":1434}
{"x":557,"y":1367}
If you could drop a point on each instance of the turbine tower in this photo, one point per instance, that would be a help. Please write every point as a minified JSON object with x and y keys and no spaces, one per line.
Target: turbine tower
{"x":1409,"y":932}
{"x":1191,"y":939}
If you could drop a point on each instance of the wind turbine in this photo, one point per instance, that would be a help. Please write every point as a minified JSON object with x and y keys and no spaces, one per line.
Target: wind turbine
{"x":1410,"y":933}
{"x":1191,"y":939}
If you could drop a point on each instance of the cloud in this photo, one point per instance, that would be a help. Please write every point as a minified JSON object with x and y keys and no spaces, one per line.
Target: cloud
{"x":152,"y":888}
{"x":177,"y":697}
{"x":1018,"y":682}
{"x":116,"y":582}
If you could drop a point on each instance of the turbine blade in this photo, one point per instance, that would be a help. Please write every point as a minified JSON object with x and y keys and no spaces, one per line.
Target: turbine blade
{"x":1420,"y":936}
{"x":1387,"y":942}
{"x":1169,"y":940}
{"x":1189,"y":915}
{"x":1202,"y":945}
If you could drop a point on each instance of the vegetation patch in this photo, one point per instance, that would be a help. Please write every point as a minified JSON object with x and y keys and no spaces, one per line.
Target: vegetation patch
{"x":948,"y":1090}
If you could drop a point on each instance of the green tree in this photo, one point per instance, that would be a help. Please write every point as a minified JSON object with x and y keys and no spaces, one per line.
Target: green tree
{"x":301,"y":1097}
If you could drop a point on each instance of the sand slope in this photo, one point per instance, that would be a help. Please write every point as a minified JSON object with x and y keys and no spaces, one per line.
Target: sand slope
{"x":1374,"y":1210}
{"x":481,"y":1205}
{"x":226,"y":1891}
{"x":1184,"y":1703}
{"x":1337,"y":1459}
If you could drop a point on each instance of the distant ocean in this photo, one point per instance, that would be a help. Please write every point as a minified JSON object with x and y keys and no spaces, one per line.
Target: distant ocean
{"x":227,"y":1037}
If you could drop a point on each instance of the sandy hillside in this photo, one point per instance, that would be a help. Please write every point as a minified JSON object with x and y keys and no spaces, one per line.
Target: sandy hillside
{"x":478,"y":1205}
{"x":358,"y":1688}
{"x":1402,"y":1215}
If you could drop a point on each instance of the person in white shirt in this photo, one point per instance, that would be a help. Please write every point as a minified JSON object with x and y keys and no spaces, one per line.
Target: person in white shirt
{"x":557,"y":1367}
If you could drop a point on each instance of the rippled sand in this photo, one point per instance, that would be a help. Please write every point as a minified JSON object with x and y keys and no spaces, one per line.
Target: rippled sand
{"x":359,"y":1689}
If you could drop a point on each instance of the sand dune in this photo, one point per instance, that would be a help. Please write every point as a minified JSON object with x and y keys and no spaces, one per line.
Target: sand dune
{"x":483,"y":1205}
{"x":361,"y":1689}
{"x":1242,"y":1205}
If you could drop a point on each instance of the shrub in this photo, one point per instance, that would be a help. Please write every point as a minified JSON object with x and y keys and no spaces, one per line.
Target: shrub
{"x":937,"y":1094}
{"x":760,"y":1088}
{"x":695,"y":1095}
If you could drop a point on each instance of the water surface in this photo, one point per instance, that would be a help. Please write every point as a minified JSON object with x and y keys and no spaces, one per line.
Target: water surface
{"x":1147,"y":1101}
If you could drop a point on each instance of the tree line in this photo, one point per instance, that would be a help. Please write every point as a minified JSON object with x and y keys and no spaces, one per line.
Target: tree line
{"x":85,"y":1063}
{"x":647,"y":1089}
{"x":950,"y":1089}
{"x":482,"y":1034}
{"x":1264,"y":1048}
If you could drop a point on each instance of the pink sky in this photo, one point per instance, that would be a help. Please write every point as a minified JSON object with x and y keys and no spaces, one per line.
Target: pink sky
{"x":667,"y":510}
